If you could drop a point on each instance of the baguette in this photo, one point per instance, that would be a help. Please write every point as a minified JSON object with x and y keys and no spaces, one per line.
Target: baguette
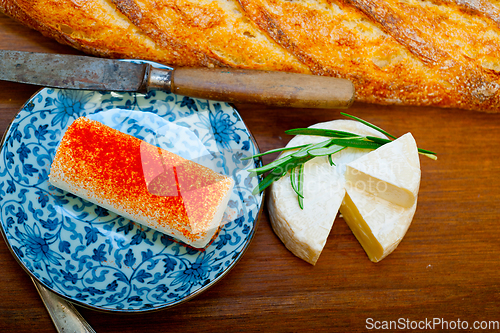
{"x":441,"y":53}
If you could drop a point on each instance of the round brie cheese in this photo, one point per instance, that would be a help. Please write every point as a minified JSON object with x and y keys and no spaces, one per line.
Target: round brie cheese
{"x":375,"y":190}
{"x":305,"y":231}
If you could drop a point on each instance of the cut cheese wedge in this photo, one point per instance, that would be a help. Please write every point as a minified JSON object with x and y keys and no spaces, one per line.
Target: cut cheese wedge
{"x":391,"y":172}
{"x":142,"y":182}
{"x":378,"y":215}
{"x":305,"y":231}
{"x":378,"y":224}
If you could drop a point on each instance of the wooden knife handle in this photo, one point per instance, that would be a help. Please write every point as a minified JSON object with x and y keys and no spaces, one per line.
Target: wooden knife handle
{"x":263,"y":87}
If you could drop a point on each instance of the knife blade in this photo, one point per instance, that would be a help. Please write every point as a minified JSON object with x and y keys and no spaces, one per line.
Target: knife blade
{"x":230,"y":85}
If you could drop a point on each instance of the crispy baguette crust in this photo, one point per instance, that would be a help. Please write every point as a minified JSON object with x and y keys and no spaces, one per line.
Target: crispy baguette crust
{"x":437,"y":53}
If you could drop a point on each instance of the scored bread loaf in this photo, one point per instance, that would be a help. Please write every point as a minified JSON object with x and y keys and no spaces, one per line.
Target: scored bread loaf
{"x":442,"y":53}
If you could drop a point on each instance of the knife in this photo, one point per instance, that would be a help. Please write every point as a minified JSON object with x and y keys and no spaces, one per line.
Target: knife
{"x":223,"y":84}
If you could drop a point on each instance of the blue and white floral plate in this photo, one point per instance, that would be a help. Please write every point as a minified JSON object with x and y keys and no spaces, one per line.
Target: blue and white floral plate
{"x":96,"y":258}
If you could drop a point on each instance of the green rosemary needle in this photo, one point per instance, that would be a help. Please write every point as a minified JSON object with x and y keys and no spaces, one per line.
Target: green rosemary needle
{"x":335,"y":142}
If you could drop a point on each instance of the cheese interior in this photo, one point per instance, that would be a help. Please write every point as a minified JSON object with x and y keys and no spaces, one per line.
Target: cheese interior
{"x":391,"y":172}
{"x":378,"y":225}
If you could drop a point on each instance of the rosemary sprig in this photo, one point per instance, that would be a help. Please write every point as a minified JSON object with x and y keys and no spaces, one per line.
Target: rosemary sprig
{"x":273,"y":151}
{"x":300,"y":186}
{"x":294,"y":162}
{"x":368,"y":124}
{"x":356,"y":141}
{"x":278,"y":172}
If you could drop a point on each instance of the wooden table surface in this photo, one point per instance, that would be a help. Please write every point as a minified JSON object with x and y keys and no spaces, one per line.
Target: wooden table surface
{"x":445,"y":269}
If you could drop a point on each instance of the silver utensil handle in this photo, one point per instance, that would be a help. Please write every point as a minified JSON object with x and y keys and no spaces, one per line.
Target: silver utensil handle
{"x":65,"y":316}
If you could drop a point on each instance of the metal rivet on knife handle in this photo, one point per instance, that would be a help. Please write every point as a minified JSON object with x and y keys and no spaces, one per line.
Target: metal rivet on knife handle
{"x":158,"y":78}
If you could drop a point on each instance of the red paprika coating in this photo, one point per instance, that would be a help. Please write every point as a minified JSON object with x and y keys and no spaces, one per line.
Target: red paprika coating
{"x":110,"y":166}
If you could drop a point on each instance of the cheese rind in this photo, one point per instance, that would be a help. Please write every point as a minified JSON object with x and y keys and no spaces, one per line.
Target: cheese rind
{"x":115,"y":171}
{"x":304,"y":234}
{"x":391,"y":172}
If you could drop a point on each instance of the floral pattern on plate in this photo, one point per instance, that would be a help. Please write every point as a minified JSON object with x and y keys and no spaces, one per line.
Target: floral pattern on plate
{"x":94,"y":257}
